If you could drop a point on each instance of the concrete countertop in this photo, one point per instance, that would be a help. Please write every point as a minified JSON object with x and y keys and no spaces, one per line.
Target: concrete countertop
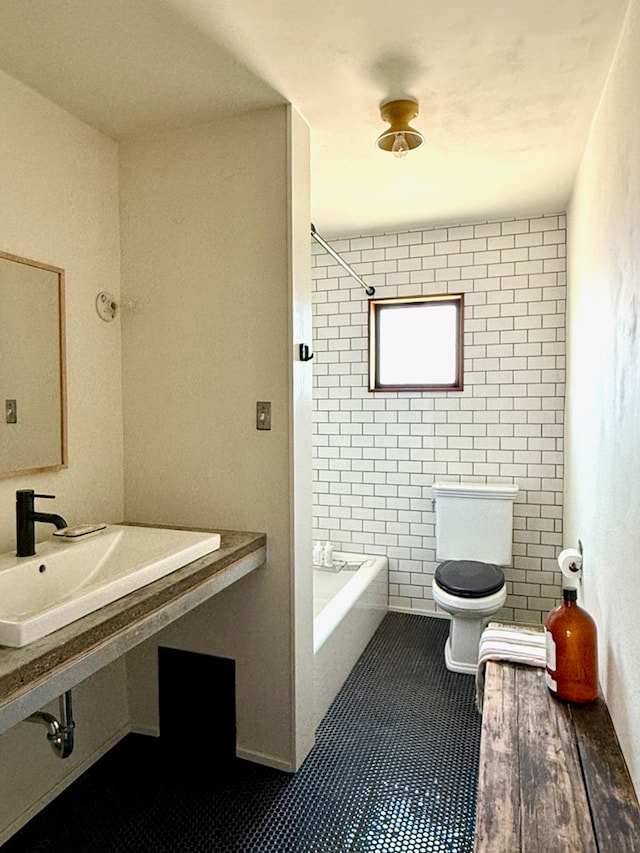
{"x":34,"y":674}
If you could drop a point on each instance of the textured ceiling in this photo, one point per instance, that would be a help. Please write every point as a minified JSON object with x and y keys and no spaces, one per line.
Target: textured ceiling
{"x":507,"y":89}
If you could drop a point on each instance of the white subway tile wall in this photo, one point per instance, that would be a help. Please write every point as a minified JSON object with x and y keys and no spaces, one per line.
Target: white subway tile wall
{"x":376,"y":455}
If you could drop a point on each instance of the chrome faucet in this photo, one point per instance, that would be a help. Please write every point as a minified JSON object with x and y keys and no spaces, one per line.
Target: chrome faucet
{"x":26,"y":517}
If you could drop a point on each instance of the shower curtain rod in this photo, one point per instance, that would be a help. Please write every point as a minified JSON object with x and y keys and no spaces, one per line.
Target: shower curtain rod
{"x":369,"y":290}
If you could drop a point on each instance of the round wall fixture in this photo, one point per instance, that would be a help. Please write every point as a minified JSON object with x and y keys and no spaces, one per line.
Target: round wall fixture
{"x":106,"y":306}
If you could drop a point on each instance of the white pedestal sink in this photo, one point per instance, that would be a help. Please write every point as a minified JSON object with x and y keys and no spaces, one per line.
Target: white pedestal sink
{"x":69,"y":579}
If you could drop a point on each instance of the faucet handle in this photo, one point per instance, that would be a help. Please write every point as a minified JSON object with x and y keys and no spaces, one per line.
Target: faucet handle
{"x":28,"y":495}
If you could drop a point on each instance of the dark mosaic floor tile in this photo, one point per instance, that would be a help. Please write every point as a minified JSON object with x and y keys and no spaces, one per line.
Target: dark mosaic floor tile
{"x":393,"y":771}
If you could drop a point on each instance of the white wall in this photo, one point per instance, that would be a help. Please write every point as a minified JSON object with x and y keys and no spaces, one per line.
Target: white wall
{"x":59,"y":205}
{"x":207,"y":270}
{"x":602,"y":494}
{"x":377,"y":455}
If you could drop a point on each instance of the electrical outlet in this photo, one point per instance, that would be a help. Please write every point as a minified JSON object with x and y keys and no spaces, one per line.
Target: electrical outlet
{"x":263,"y":415}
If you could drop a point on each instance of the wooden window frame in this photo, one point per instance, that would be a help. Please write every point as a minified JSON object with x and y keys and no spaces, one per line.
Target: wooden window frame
{"x":377,"y":306}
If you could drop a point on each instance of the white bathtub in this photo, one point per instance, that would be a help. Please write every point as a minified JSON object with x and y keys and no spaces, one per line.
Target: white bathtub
{"x":348,"y":607}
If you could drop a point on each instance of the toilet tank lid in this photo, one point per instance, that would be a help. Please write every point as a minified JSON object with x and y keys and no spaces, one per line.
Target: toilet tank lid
{"x":498,"y":491}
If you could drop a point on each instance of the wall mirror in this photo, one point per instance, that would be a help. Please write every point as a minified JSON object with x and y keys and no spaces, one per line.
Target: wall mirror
{"x":32,"y":367}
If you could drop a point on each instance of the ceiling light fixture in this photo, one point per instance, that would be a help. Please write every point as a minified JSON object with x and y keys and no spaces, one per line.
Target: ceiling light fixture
{"x":400,"y":138}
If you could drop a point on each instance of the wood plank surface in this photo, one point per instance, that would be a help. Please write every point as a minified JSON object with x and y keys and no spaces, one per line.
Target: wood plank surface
{"x":552,"y":777}
{"x":498,"y":813}
{"x":555,"y":811}
{"x":614,"y":805}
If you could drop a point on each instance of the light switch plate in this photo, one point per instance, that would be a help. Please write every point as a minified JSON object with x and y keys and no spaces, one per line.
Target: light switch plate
{"x":11,"y":411}
{"x":263,"y":415}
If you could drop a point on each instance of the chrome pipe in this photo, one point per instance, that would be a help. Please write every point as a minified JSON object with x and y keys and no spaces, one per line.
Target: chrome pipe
{"x":369,"y":290}
{"x":59,"y":732}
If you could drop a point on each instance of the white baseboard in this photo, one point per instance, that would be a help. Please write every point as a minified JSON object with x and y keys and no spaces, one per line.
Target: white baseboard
{"x":245,"y":754}
{"x":266,"y":760}
{"x":152,"y":731}
{"x":438,"y":614}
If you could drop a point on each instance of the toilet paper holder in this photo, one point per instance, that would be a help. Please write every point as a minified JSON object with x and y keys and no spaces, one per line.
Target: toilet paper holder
{"x":570,"y":562}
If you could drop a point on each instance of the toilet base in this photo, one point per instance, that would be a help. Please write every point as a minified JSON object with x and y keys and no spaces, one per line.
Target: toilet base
{"x":463,"y":643}
{"x":469,"y":617}
{"x":457,"y":666}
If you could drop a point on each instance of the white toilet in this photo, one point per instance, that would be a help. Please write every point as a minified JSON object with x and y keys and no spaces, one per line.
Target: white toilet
{"x":474,"y":533}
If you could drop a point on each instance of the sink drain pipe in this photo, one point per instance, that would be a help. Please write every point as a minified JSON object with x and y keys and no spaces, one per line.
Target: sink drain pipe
{"x":60,"y":732}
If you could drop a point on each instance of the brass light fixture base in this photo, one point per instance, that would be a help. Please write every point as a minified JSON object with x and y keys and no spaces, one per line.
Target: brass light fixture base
{"x":400,"y":137}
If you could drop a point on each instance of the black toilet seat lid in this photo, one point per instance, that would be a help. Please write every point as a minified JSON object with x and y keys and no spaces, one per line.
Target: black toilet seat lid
{"x":469,"y":578}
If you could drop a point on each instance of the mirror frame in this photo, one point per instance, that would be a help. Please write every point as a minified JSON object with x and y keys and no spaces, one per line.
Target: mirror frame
{"x":63,"y":369}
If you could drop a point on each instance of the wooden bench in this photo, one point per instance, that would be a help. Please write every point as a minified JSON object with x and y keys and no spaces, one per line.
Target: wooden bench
{"x":552,"y":776}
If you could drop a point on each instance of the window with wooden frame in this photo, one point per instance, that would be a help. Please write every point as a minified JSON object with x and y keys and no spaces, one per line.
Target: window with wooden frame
{"x":415,"y":343}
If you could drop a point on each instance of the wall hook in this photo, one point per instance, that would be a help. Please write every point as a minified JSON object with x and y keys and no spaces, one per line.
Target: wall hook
{"x":305,"y":353}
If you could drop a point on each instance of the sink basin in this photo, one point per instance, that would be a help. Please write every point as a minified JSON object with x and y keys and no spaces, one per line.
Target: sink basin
{"x":69,"y":579}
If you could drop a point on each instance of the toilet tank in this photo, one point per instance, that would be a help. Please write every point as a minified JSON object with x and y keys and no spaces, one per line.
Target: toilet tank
{"x":474,"y":522}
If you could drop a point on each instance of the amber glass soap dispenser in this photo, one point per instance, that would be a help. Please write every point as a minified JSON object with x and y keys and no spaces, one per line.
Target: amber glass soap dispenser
{"x":572,"y":651}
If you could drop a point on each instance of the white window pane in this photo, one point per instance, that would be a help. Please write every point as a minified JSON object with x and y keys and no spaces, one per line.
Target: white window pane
{"x":418,"y":344}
